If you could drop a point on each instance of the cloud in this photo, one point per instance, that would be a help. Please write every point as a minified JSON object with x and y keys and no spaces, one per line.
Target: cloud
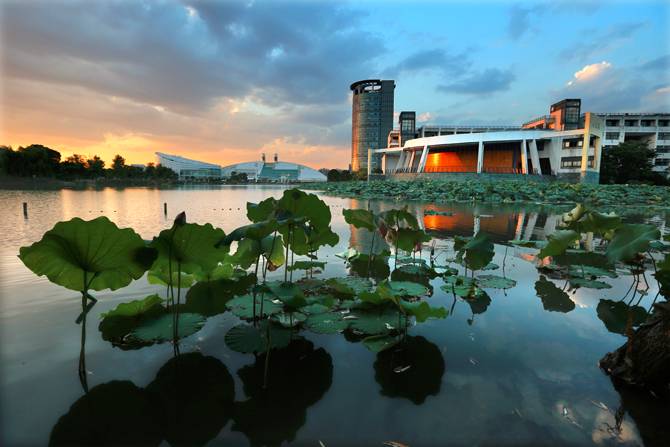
{"x":486,"y":82}
{"x":591,"y":72}
{"x":616,"y":35}
{"x":659,"y":64}
{"x":519,"y":21}
{"x":435,"y":59}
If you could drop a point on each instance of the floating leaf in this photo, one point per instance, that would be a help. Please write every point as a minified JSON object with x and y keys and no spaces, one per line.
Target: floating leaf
{"x":586,"y":271}
{"x":350,"y":285}
{"x":327,"y":323}
{"x":495,"y":282}
{"x":112,"y":257}
{"x":151,"y":305}
{"x":247,"y":339}
{"x":379,"y":343}
{"x":444,"y":270}
{"x":306,"y":265}
{"x":311,"y":284}
{"x":242,"y":306}
{"x":287,"y":292}
{"x":377,"y":321}
{"x":630,"y":239}
{"x":161,"y":328}
{"x":409,"y":288}
{"x":290,"y":319}
{"x":182,"y":280}
{"x":589,"y":283}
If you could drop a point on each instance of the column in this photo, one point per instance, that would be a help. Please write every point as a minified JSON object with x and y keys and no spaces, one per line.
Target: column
{"x":411,"y":159}
{"x":422,"y":161}
{"x":534,"y":156}
{"x":480,"y":154}
{"x":524,"y":157}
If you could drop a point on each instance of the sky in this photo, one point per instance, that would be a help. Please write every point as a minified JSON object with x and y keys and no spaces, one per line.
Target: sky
{"x":226,"y":81}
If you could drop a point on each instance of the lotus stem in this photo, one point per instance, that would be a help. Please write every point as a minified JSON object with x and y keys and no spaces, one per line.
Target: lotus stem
{"x":176,"y":317}
{"x":267,"y":357}
{"x":258,"y":260}
{"x":286,"y":257}
{"x":292,"y":254}
{"x":82,"y":353}
{"x":504,"y":259}
{"x":372,"y":245}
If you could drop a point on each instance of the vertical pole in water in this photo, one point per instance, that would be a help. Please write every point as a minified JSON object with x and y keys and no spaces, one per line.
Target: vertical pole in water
{"x":165,"y":208}
{"x":25,"y":209}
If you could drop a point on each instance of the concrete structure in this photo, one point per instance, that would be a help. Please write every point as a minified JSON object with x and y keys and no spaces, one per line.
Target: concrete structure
{"x":189,"y":169}
{"x":569,"y":155}
{"x":565,"y":115}
{"x":371,"y":120}
{"x":280,"y":172}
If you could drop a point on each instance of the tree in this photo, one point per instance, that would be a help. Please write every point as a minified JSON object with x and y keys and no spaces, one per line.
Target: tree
{"x":361,"y":174}
{"x":150,"y":171}
{"x":345,"y":176}
{"x":73,"y":167}
{"x":95,"y":167}
{"x":629,"y":162}
{"x":333,"y":175}
{"x":119,"y":166}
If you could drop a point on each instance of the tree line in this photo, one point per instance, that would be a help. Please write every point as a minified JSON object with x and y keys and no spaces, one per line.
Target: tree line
{"x":40,"y":161}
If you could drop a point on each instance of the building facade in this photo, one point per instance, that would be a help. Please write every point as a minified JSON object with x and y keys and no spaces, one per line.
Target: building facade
{"x":189,"y":169}
{"x":276,"y":171}
{"x":371,"y":120}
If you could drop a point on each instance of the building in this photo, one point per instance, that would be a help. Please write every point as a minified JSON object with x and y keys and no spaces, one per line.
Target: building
{"x":371,"y":121}
{"x":565,"y":115}
{"x":189,"y":169}
{"x":279,"y":172}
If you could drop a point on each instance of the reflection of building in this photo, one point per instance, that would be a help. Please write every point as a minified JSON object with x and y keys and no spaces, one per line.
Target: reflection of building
{"x":280,"y":172}
{"x":371,"y":121}
{"x":189,"y":169}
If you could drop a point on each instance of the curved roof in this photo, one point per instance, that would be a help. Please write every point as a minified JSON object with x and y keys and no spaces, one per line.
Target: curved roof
{"x":279,"y":171}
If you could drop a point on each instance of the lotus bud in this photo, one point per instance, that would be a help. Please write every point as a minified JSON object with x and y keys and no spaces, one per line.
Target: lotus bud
{"x":180,"y":220}
{"x":417,"y":247}
{"x":383,"y":228}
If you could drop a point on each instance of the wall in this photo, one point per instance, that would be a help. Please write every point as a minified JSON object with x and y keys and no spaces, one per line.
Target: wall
{"x":467,"y":177}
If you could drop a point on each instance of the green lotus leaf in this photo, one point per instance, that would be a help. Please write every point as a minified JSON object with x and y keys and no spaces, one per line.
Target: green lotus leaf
{"x":396,"y":217}
{"x":112,"y":258}
{"x":551,"y":267}
{"x":585,"y":271}
{"x":658,"y":245}
{"x":522,"y":243}
{"x":311,"y":284}
{"x":222,"y":271}
{"x":479,"y":303}
{"x":149,"y":306}
{"x":421,"y":310}
{"x":349,"y":255}
{"x":408,"y":238}
{"x":361,"y":219}
{"x":589,"y":283}
{"x":161,"y":328}
{"x":356,"y":304}
{"x":663,"y":278}
{"x":287,"y":292}
{"x":306,"y":265}
{"x":615,"y":315}
{"x":248,"y":251}
{"x":417,"y":270}
{"x":495,"y":282}
{"x":490,"y":266}
{"x":309,"y":206}
{"x":374,"y":321}
{"x":553,"y":298}
{"x":182,"y":280}
{"x":350,"y":285}
{"x":242,"y":306}
{"x":559,"y":241}
{"x":246,"y":339}
{"x":327,"y":323}
{"x":193,"y":248}
{"x":409,"y":288}
{"x":306,"y":239}
{"x":459,"y":280}
{"x":257,"y":231}
{"x":466,"y":291}
{"x":444,"y":270}
{"x":379,"y":343}
{"x":436,"y":213}
{"x":478,"y":252}
{"x":459,"y":242}
{"x":630,"y":239}
{"x":290,"y":319}
{"x":209,"y":298}
{"x":600,"y":223}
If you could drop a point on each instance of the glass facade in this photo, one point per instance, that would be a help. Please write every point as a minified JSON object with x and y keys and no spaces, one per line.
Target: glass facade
{"x":371,"y":120}
{"x":407,"y":126}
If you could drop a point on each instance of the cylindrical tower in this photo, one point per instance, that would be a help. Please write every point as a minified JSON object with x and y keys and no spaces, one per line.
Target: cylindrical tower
{"x":371,"y":120}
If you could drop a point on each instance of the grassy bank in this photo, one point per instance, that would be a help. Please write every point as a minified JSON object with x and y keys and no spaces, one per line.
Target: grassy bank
{"x":492,"y":192}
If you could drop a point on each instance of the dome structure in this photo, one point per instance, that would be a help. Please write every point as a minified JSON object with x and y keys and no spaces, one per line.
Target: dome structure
{"x":277,"y":171}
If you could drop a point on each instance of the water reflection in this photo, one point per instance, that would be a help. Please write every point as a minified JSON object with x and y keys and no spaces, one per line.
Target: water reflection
{"x":412,"y":369}
{"x":553,"y":298}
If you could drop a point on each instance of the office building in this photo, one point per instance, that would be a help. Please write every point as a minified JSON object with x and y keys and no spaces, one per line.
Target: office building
{"x":371,"y":121}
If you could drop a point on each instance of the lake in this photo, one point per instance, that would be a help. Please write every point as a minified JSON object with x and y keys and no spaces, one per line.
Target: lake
{"x":501,"y":370}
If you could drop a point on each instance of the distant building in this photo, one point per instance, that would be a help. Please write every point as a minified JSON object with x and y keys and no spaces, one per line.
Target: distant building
{"x":280,"y":172}
{"x":137,"y":165}
{"x":189,"y":169}
{"x":371,"y":120}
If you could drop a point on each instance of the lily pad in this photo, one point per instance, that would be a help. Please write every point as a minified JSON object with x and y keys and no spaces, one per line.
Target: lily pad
{"x":161,"y":328}
{"x":350,"y":285}
{"x":247,"y":339}
{"x":586,"y":271}
{"x":290,"y":319}
{"x":615,"y":315}
{"x":409,"y":288}
{"x":374,"y":321}
{"x":149,"y":306}
{"x":379,"y":343}
{"x":222,"y":271}
{"x":495,"y":282}
{"x":444,"y":270}
{"x":416,"y":270}
{"x":527,"y":244}
{"x":310,"y":284}
{"x":242,"y":306}
{"x":306,"y":265}
{"x":328,"y":323}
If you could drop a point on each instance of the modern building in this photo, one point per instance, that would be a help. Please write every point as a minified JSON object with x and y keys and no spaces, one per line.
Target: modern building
{"x":280,"y":172}
{"x":565,"y":115}
{"x":189,"y":169}
{"x":371,"y":120}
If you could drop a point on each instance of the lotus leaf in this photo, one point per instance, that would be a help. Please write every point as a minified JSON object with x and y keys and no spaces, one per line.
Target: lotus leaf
{"x":379,"y":343}
{"x":396,"y":217}
{"x":601,"y":223}
{"x":416,"y":270}
{"x":182,"y":280}
{"x":458,"y":280}
{"x":327,"y":323}
{"x":112,"y":257}
{"x":287,"y":292}
{"x":247,"y":339}
{"x":586,"y":271}
{"x":436,"y":213}
{"x":495,"y":282}
{"x":307,"y":239}
{"x":589,"y":283}
{"x":559,"y":241}
{"x":350,"y":285}
{"x":311,"y":284}
{"x":161,"y":328}
{"x":408,"y":239}
{"x":349,"y":255}
{"x":553,"y":298}
{"x":446,"y":270}
{"x":248,"y":251}
{"x":375,"y":321}
{"x":479,"y":303}
{"x":290,"y":319}
{"x":478,"y":252}
{"x":630,"y":239}
{"x":361,"y":219}
{"x":459,"y":242}
{"x":306,"y":265}
{"x":222,"y":271}
{"x":575,"y":214}
{"x":421,"y":310}
{"x":257,"y":231}
{"x":409,"y":288}
{"x":465,"y":291}
{"x":149,"y":306}
{"x":242,"y":306}
{"x":193,"y":248}
{"x":209,"y":298}
{"x":527,"y":244}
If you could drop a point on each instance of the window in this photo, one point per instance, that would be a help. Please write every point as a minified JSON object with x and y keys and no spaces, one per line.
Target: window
{"x":612,"y":135}
{"x":612,"y":123}
{"x":662,"y":162}
{"x":663,"y":123}
{"x":663,"y":149}
{"x":571,"y":162}
{"x":571,"y":144}
{"x":648,"y":123}
{"x":631,"y":123}
{"x":664,"y":135}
